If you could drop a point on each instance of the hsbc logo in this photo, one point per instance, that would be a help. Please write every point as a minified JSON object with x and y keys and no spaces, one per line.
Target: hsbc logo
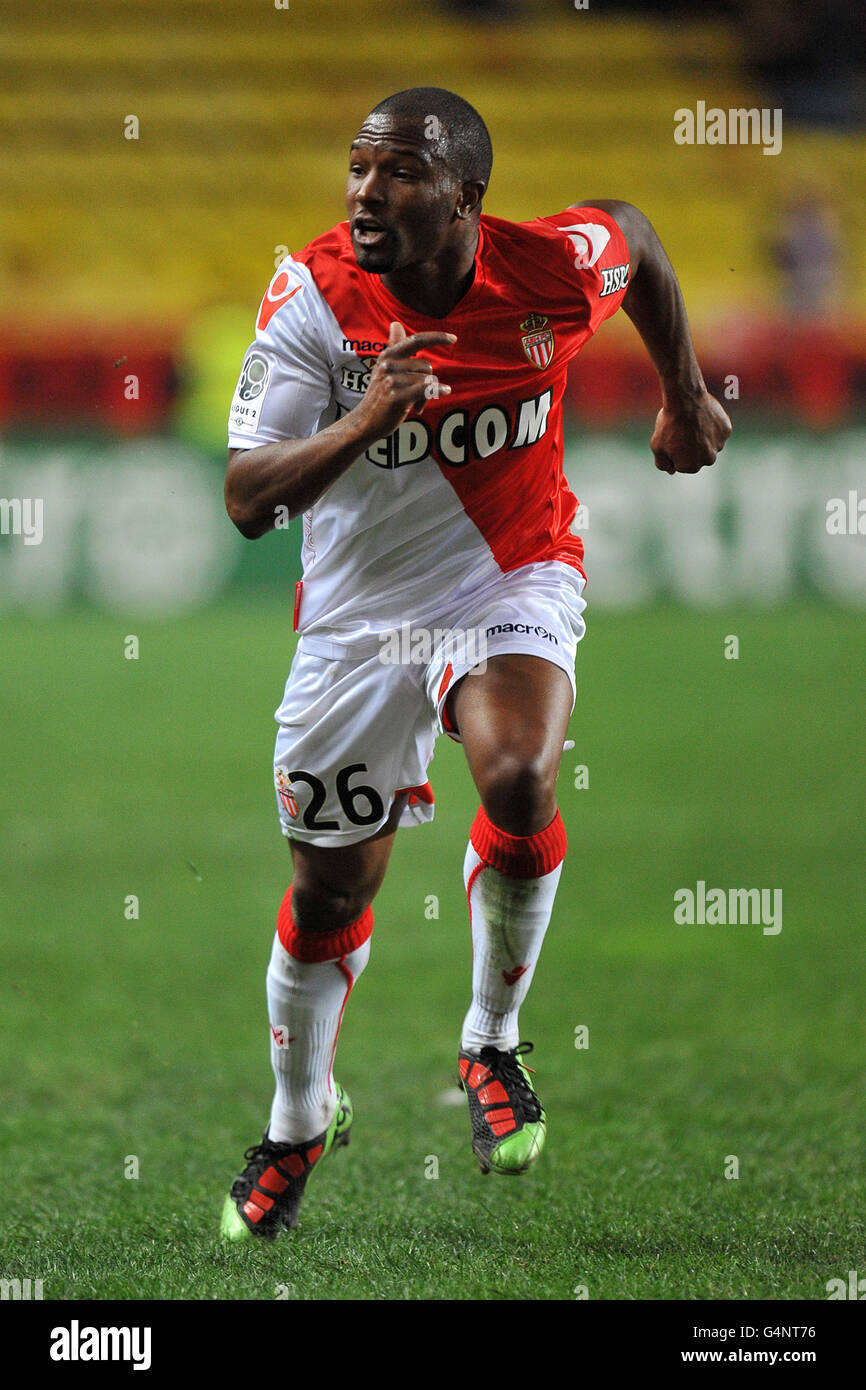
{"x":353,"y":379}
{"x":614,"y":278}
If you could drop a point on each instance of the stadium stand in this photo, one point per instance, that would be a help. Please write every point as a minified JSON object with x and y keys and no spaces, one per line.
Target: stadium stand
{"x":244,"y":113}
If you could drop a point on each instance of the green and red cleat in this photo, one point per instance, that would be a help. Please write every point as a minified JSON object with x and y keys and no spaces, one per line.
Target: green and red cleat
{"x":267,"y":1196}
{"x":508,"y":1122}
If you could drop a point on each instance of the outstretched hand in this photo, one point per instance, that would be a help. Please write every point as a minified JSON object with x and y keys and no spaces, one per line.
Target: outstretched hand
{"x":689,"y":437}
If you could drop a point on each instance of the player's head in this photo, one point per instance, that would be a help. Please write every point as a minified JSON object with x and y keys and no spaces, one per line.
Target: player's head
{"x":418,"y":168}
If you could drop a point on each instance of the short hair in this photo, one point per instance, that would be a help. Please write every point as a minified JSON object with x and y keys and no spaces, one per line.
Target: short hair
{"x":462,"y":139}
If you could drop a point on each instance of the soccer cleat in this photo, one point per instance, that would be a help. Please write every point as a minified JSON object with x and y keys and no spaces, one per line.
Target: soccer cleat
{"x":508,"y":1122}
{"x":267,"y":1195}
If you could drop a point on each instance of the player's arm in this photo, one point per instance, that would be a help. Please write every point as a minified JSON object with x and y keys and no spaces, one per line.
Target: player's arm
{"x":294,"y":473}
{"x":691,"y":426}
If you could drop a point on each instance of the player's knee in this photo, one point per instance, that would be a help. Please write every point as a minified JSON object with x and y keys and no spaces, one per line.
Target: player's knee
{"x":519,"y":794}
{"x":325,"y":907}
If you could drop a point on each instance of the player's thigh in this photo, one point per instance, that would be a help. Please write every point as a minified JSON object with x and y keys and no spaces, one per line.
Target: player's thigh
{"x":354,"y":740}
{"x":518,"y":707}
{"x":512,"y":719}
{"x":511,"y":708}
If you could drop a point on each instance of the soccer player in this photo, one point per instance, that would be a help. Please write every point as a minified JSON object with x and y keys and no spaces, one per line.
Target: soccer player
{"x":404,"y":395}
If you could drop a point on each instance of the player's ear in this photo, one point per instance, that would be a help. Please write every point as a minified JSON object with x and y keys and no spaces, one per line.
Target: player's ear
{"x":469,"y":200}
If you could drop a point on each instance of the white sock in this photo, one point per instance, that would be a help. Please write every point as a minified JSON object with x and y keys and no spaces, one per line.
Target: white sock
{"x":509,"y":919}
{"x":305,"y":1007}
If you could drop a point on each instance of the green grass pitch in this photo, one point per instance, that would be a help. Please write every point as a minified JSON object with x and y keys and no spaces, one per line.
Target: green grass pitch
{"x":147,"y":1038}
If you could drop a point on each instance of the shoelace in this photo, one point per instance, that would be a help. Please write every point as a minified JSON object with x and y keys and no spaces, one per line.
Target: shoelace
{"x":267,"y":1149}
{"x":505,"y":1068}
{"x":257,"y":1158}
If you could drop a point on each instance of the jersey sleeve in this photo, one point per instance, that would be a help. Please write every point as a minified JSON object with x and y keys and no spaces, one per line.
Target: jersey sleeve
{"x":591,"y":262}
{"x":285,"y":384}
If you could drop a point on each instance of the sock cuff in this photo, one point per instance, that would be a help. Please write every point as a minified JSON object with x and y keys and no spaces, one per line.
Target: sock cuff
{"x":317,"y":946}
{"x":519,"y":856}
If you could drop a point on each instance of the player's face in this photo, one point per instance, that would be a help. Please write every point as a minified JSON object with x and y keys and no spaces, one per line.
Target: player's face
{"x":400,"y":197}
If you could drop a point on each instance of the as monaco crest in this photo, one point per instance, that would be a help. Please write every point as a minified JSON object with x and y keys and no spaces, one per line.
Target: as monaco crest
{"x":537,"y":340}
{"x":284,"y":791}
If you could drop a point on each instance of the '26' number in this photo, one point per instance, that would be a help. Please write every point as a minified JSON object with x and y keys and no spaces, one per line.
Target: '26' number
{"x":349,"y":797}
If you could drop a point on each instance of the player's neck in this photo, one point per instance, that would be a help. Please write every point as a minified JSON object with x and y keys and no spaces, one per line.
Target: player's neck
{"x":435,"y":288}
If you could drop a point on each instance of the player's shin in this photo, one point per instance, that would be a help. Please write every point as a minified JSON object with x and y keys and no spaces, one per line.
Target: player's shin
{"x":310,"y":977}
{"x":511,"y":884}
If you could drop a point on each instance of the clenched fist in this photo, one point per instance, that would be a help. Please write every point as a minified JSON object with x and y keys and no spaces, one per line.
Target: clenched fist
{"x":689,"y":437}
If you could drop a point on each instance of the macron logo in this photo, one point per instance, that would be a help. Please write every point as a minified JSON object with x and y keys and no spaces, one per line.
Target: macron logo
{"x":278,"y":293}
{"x":512,"y":976}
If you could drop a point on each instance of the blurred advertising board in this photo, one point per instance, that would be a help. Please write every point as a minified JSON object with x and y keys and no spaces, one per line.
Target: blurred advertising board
{"x":139,"y":525}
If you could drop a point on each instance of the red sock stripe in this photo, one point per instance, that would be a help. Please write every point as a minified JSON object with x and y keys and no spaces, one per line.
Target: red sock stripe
{"x":470,"y":885}
{"x":350,"y":980}
{"x":519,"y":856}
{"x":313,"y":946}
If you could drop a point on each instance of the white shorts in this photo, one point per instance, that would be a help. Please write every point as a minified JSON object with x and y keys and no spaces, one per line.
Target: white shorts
{"x":354,"y":730}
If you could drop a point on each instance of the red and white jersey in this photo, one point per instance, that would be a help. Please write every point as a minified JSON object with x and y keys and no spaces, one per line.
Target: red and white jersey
{"x":473,"y":486}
